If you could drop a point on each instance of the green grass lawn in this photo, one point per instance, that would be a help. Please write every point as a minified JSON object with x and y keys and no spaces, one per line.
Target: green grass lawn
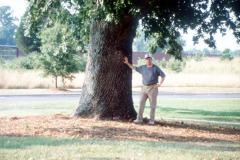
{"x":50,"y":148}
{"x":216,"y":112}
{"x":10,"y":109}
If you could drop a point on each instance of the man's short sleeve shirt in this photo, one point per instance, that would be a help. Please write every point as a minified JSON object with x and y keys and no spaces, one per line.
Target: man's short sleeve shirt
{"x":150,"y":74}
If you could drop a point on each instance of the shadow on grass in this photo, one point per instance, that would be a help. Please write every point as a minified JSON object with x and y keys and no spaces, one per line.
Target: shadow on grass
{"x":207,"y":115}
{"x":23,"y":142}
{"x":201,"y":112}
{"x":200,"y":127}
{"x":220,"y":118}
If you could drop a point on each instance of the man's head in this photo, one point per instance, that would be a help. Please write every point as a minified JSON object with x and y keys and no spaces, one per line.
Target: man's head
{"x":148,"y":55}
{"x":148,"y":58}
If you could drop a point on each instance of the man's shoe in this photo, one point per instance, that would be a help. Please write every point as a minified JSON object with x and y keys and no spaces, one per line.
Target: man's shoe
{"x":151,"y":122}
{"x":138,"y":121}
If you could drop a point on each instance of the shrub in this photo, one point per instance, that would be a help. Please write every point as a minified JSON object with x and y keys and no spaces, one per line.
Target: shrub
{"x":226,"y":55}
{"x":141,"y":62}
{"x":163,"y":63}
{"x":29,"y":62}
{"x":176,"y":65}
{"x":2,"y":61}
{"x":198,"y":57}
{"x":16,"y":63}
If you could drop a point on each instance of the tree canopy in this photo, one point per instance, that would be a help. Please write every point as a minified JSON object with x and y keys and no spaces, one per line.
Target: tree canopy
{"x":7,"y":26}
{"x":27,"y":44}
{"x":161,"y":20}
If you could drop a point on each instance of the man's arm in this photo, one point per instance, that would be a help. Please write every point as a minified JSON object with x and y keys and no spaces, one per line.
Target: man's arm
{"x":125,"y":60}
{"x":159,"y":84}
{"x":162,"y":80}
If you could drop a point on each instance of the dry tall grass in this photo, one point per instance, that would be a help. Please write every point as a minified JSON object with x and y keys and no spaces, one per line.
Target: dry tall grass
{"x":10,"y":79}
{"x":211,"y":72}
{"x":23,"y":79}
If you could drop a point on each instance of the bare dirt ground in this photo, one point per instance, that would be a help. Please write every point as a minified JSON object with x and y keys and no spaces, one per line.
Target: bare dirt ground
{"x":62,"y":126}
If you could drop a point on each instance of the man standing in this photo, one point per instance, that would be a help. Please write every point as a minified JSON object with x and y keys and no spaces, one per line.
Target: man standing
{"x":150,"y":74}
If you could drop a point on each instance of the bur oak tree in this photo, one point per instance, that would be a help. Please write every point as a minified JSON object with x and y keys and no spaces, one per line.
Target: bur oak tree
{"x":109,"y":26}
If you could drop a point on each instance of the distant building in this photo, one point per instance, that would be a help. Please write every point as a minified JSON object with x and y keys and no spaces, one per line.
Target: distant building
{"x":10,"y":52}
{"x":160,"y":56}
{"x":140,"y":55}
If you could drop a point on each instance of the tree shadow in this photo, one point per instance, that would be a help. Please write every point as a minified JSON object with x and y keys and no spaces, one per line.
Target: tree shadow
{"x":206,"y":121}
{"x":201,"y":112}
{"x":218,"y":116}
{"x":200,"y":127}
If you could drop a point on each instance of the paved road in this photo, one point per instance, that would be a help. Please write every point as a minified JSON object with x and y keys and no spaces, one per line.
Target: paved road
{"x":76,"y":97}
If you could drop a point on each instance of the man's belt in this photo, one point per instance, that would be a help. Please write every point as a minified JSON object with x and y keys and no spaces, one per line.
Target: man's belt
{"x":149,"y":84}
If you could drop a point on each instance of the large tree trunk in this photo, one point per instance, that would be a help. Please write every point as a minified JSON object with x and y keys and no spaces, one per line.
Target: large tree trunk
{"x":107,"y":87}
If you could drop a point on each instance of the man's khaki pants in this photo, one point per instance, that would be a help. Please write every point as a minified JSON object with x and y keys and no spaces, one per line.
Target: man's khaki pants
{"x":148,"y":92}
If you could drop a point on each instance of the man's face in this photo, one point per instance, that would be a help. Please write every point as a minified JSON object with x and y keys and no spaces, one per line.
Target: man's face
{"x":149,"y":61}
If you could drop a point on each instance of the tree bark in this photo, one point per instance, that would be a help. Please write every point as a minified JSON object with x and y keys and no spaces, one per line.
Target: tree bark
{"x":107,"y":89}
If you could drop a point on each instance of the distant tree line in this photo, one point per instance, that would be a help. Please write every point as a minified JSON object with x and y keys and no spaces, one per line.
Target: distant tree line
{"x":7,"y":26}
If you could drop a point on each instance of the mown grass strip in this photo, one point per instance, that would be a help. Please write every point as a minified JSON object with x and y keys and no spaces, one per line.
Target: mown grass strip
{"x":49,"y":148}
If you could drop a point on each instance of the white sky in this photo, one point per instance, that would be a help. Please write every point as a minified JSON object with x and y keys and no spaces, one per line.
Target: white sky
{"x":18,"y":6}
{"x":228,"y":41}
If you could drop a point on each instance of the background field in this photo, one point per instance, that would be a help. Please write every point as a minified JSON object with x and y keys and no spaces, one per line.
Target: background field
{"x":210,"y":72}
